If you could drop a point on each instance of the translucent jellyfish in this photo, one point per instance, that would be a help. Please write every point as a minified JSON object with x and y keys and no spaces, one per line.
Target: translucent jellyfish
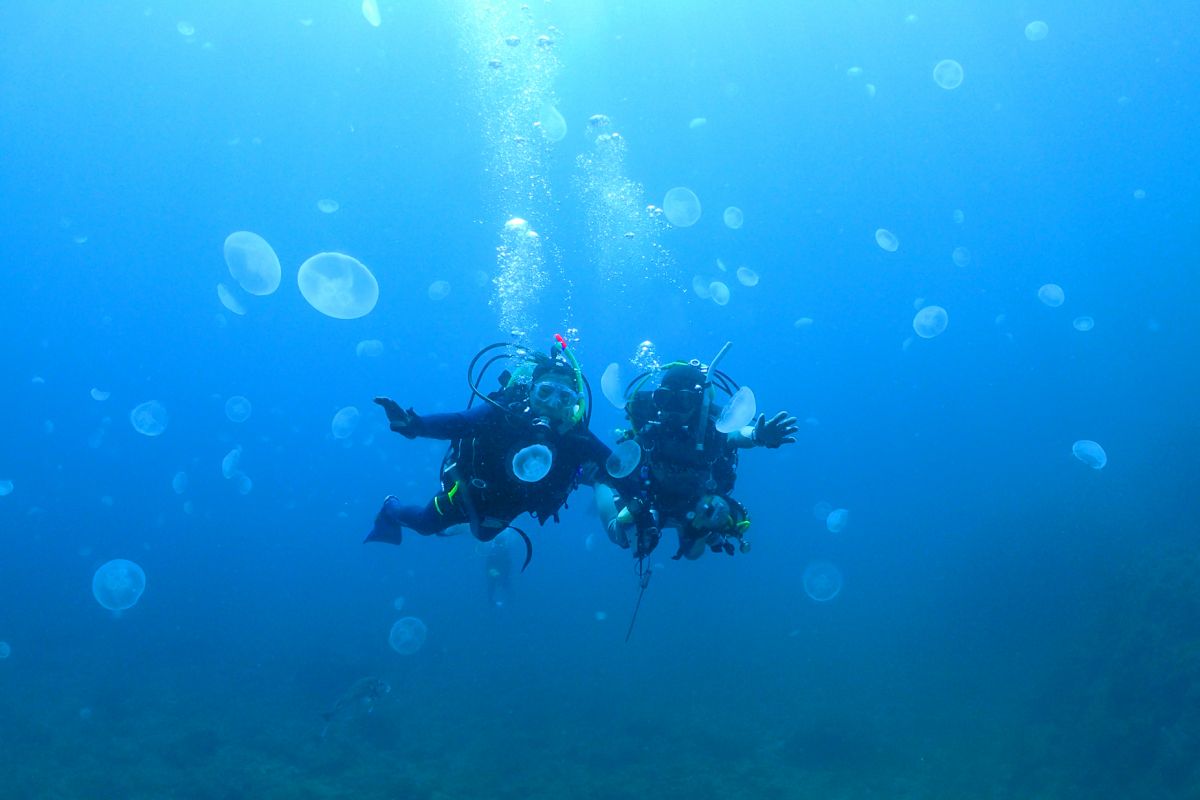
{"x":624,"y":459}
{"x":948,"y":74}
{"x":822,"y":581}
{"x":961,"y":256}
{"x":1139,"y":194}
{"x":870,"y":89}
{"x":930,"y":321}
{"x":747,"y":276}
{"x":837,"y":519}
{"x":734,"y":217}
{"x":1084,"y":324}
{"x":327,"y":205}
{"x":398,"y":603}
{"x":338,"y":286}
{"x":1052,"y":295}
{"x":5,"y":650}
{"x":6,"y":488}
{"x":149,"y":419}
{"x":252,"y":263}
{"x":700,"y":287}
{"x":100,"y":395}
{"x":958,"y":216}
{"x":344,"y":422}
{"x":719,"y":293}
{"x":185,"y":28}
{"x":438,"y":290}
{"x":553,"y":126}
{"x":698,"y":122}
{"x":610,"y":385}
{"x":370,"y":12}
{"x":237,"y":408}
{"x":243,"y":483}
{"x":229,"y":464}
{"x":230,"y":301}
{"x":407,"y":635}
{"x":821,"y":511}
{"x":601,"y":616}
{"x":803,"y":323}
{"x":681,"y":207}
{"x":1036,"y":30}
{"x":369,"y":348}
{"x":854,"y":72}
{"x":887,"y":240}
{"x":118,"y":584}
{"x":1090,"y":453}
{"x":532,"y":463}
{"x":179,"y":483}
{"x":739,"y":412}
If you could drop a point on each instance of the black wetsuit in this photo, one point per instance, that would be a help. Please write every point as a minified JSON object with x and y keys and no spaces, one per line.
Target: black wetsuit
{"x":478,"y":484}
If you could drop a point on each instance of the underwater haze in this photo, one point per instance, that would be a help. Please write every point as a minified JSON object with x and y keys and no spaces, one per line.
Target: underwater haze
{"x":956,"y":240}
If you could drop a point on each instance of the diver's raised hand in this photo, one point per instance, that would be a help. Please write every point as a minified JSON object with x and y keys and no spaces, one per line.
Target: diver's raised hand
{"x":401,"y":421}
{"x":775,"y":432}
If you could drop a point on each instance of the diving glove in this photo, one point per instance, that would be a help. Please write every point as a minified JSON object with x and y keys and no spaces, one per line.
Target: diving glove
{"x":401,"y":421}
{"x":647,"y":540}
{"x":777,"y":431}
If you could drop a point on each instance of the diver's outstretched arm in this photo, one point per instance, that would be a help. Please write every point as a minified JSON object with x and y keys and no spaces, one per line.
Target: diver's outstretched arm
{"x":410,"y":425}
{"x":774,"y":432}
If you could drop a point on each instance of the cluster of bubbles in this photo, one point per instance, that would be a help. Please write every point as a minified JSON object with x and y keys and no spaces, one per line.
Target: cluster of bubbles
{"x":645,"y":358}
{"x":407,"y":635}
{"x":623,"y":231}
{"x":520,"y":277}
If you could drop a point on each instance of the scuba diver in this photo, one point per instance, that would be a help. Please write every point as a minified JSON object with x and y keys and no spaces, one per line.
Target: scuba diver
{"x":525,"y":448}
{"x":687,"y":468}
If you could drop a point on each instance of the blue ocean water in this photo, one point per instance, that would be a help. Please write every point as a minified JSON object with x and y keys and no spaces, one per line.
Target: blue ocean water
{"x":1011,"y":623}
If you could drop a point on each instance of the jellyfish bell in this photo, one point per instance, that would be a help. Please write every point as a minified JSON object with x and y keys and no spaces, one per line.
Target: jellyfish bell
{"x":822,"y":581}
{"x":739,"y":412}
{"x":532,"y":463}
{"x":624,"y":459}
{"x":338,"y":285}
{"x":118,"y":584}
{"x":407,"y":635}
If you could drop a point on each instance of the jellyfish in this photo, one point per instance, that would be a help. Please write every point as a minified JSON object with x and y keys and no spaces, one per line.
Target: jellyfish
{"x":439,"y":290}
{"x":100,"y":395}
{"x":5,"y":650}
{"x":1090,"y":453}
{"x":821,"y":511}
{"x":822,"y":581}
{"x":961,"y":256}
{"x":237,"y":408}
{"x":118,"y":584}
{"x":328,"y":205}
{"x":747,"y":276}
{"x":229,"y":464}
{"x":230,"y":301}
{"x":734,"y":217}
{"x":179,"y":483}
{"x":610,"y":385}
{"x":719,"y":293}
{"x":407,"y":635}
{"x":1036,"y":30}
{"x":370,"y":12}
{"x":252,"y":263}
{"x":344,"y":422}
{"x":552,"y":124}
{"x":532,"y":463}
{"x":836,"y":521}
{"x":398,"y":603}
{"x":681,"y":207}
{"x":930,"y":321}
{"x":624,"y":459}
{"x":739,"y":412}
{"x":149,"y":418}
{"x":369,"y":348}
{"x":338,"y":286}
{"x":700,"y":287}
{"x":1051,"y":294}
{"x":887,"y":240}
{"x":1083,"y":324}
{"x":948,"y":74}
{"x":6,"y":488}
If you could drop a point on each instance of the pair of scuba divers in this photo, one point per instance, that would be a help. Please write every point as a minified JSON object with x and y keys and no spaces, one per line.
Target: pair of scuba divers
{"x":527,"y":445}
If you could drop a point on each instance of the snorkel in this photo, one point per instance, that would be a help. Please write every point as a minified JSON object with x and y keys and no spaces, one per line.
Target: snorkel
{"x":581,"y":408}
